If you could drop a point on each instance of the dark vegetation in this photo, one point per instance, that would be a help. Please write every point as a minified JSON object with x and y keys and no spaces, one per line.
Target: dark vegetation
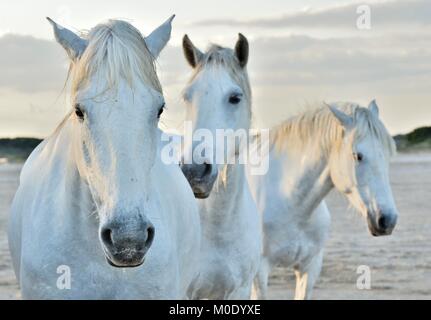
{"x":18,"y":149}
{"x":418,"y":139}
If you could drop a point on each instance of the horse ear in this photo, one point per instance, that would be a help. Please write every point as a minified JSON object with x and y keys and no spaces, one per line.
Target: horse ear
{"x":242,"y":50}
{"x":71,"y":42}
{"x":374,"y":108}
{"x":192,"y":54}
{"x":345,"y":120}
{"x":158,"y":39}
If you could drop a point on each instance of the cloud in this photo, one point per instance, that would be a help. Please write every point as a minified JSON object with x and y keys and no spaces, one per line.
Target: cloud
{"x":387,"y":13}
{"x":32,"y":65}
{"x":285,"y":71}
{"x":292,"y":71}
{"x":28,"y":64}
{"x":301,"y":60}
{"x":306,"y":61}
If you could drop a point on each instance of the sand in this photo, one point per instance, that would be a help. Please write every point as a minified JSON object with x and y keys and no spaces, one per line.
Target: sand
{"x":9,"y":175}
{"x":400,"y":264}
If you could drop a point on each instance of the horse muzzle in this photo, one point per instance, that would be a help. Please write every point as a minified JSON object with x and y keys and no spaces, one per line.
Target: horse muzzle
{"x":125,"y":246}
{"x":381,"y":224}
{"x":201,"y":178}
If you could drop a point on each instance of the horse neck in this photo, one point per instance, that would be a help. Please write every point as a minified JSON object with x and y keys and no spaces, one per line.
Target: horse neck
{"x":222,"y":206}
{"x":312,"y":181}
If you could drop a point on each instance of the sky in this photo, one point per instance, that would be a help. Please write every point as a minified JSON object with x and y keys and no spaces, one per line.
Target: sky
{"x":302,"y":52}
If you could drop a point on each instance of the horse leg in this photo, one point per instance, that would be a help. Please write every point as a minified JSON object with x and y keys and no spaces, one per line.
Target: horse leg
{"x":307,"y":276}
{"x":242,"y":293}
{"x":260,"y":285}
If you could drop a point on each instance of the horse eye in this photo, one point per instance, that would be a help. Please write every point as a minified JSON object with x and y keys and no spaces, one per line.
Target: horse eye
{"x":162,"y":108}
{"x":79,"y":113}
{"x":235,"y":98}
{"x":358,"y":156}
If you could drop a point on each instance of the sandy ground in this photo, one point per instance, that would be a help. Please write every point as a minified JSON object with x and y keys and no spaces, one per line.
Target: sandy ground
{"x":400,"y":265}
{"x":9,"y":175}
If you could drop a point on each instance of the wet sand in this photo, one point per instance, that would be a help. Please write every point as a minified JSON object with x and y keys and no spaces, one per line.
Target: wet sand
{"x":9,"y":175}
{"x":400,"y":264}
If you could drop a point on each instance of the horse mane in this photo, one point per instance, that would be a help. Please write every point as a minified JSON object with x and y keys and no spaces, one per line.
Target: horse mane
{"x":322,"y":126}
{"x":116,"y":50}
{"x":217,"y":56}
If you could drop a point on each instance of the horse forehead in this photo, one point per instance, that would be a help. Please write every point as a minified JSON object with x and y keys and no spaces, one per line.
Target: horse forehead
{"x":122,"y":95}
{"x":213,"y":77}
{"x":373,"y":149}
{"x":368,"y":142}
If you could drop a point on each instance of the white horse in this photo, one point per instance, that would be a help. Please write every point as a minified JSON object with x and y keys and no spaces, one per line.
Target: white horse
{"x":218,"y":97}
{"x":95,"y":197}
{"x":344,"y":147}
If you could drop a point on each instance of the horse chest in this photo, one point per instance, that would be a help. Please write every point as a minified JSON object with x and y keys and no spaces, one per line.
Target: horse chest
{"x":223,"y":273}
{"x":230,"y":250}
{"x":59,"y":265}
{"x":292,"y":245}
{"x":63,"y":278}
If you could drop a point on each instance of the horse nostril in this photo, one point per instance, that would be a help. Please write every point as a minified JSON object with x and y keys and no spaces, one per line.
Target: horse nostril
{"x":207,"y":169}
{"x":382,"y":222}
{"x":150,"y":236}
{"x":106,"y":236}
